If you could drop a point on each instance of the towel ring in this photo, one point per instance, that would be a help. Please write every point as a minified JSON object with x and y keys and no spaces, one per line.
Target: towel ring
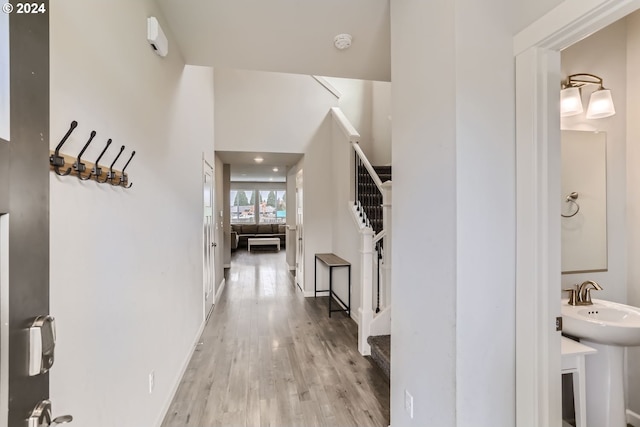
{"x":571,"y":198}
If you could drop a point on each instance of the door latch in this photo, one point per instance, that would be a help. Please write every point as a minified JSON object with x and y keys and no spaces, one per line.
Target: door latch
{"x":559,"y":323}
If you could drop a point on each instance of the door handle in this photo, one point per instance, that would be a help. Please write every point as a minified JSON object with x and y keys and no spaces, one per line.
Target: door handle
{"x":214,"y":245}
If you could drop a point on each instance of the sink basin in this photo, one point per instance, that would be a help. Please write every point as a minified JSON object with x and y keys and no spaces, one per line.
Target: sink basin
{"x":603,"y":322}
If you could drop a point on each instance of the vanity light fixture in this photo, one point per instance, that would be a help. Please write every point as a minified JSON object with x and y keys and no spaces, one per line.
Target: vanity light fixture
{"x":600,"y":103}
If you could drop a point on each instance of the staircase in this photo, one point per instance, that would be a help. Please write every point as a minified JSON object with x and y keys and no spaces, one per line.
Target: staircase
{"x":381,"y":352}
{"x":369,"y":198}
{"x":369,"y":195}
{"x":369,"y":204}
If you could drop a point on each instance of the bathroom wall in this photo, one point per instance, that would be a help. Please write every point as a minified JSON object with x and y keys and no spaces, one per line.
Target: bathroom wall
{"x":605,"y":54}
{"x":633,"y":199}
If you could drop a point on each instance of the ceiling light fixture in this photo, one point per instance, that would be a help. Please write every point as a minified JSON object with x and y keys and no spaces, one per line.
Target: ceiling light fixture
{"x":258,"y":159}
{"x":342,"y":41}
{"x":275,"y":169}
{"x":600,"y":103}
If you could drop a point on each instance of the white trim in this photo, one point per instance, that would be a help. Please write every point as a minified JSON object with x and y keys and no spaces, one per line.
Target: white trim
{"x":633,"y":418}
{"x":538,"y":393}
{"x":227,"y":266}
{"x":178,"y":379}
{"x":307,"y":294}
{"x":221,"y":286}
{"x":291,"y":267}
{"x":571,"y":21}
{"x":4,"y":320}
{"x":328,"y":86}
{"x":355,"y":315}
{"x":538,"y":183}
{"x":345,"y":125}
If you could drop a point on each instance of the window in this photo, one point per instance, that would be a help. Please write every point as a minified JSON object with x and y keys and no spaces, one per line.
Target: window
{"x":270,"y":204}
{"x":273,"y":208}
{"x":242,"y":207}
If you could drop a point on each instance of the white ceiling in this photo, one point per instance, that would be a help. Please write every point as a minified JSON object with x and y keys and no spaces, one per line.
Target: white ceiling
{"x":291,"y":36}
{"x":245,"y":169}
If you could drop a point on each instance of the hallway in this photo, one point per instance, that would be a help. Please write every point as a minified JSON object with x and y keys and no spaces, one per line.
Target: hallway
{"x":269,"y":357}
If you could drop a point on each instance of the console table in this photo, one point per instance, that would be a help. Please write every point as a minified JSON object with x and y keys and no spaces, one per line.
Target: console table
{"x":332,"y":261}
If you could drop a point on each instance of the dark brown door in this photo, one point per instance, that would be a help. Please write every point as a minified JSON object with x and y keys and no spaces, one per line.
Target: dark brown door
{"x":24,"y":206}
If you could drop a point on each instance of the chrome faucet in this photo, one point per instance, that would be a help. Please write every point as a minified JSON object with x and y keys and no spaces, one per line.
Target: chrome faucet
{"x":581,"y":295}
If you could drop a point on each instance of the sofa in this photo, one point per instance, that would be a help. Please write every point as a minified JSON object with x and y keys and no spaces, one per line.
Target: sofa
{"x":240,"y":233}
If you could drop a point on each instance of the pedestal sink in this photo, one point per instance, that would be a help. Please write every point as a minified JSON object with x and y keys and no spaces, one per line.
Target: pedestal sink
{"x":608,"y":327}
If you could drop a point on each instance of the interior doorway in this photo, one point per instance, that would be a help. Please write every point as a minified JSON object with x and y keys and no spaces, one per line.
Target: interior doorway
{"x":208,"y":270}
{"x":299,"y":231}
{"x":537,"y":55}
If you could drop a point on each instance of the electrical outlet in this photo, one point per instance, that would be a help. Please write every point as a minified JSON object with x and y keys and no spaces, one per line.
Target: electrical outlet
{"x":152,"y":381}
{"x":408,"y":403}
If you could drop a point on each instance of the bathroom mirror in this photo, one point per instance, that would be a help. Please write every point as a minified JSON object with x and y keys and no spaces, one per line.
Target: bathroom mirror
{"x":584,"y":201}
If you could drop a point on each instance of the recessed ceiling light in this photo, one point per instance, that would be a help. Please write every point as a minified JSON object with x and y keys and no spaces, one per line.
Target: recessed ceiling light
{"x":275,"y":169}
{"x":258,"y":159}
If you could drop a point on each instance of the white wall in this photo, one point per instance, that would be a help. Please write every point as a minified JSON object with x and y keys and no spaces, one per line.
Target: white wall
{"x":485,"y":213}
{"x":604,"y":54}
{"x":126,"y":265}
{"x":633,"y":198}
{"x":367,"y":105}
{"x":346,"y":235}
{"x":529,"y":11}
{"x":272,"y":112}
{"x":453,"y":156}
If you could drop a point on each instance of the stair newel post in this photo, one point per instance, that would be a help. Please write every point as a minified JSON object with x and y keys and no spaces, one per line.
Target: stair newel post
{"x":386,"y":260}
{"x":366,"y":291}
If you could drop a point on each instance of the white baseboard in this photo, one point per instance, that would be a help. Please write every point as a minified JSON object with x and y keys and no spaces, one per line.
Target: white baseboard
{"x":226,"y":266}
{"x":355,"y":315}
{"x":220,"y":289}
{"x":308,"y":294}
{"x":291,"y":268}
{"x":633,"y":418}
{"x":178,"y":379}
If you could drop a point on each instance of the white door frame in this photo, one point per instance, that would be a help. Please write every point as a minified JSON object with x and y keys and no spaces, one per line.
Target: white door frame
{"x":536,"y":51}
{"x":300,"y":267}
{"x":4,"y":319}
{"x":208,"y":271}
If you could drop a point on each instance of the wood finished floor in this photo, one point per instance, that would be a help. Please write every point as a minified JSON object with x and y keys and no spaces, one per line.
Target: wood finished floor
{"x":270,"y":357}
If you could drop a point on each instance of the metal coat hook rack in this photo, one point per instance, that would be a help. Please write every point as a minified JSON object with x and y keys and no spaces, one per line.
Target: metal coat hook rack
{"x":124,"y":177}
{"x":55,"y":159}
{"x":111,"y":174}
{"x":58,"y":161}
{"x":80,"y":167}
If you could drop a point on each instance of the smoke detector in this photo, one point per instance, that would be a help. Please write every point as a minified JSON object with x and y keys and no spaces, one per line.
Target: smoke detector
{"x":342,"y":41}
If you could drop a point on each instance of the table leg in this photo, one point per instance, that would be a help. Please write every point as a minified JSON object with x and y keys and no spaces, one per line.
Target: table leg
{"x":349,"y":290}
{"x":315,"y":277}
{"x":330,"y":288}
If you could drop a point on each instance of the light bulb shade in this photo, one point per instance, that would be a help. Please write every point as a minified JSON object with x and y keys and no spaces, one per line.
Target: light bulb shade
{"x":570,"y":102}
{"x":600,"y":105}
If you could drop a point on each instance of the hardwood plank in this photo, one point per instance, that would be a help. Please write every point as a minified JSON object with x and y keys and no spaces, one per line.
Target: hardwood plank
{"x":271,"y":358}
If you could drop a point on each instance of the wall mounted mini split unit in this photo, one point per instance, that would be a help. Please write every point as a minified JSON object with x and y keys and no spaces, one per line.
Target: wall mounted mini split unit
{"x":156,"y":37}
